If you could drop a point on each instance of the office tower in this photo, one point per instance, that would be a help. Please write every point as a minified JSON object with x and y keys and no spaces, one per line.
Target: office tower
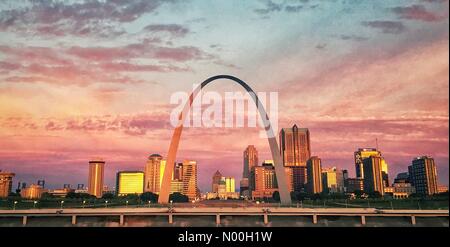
{"x":314,"y":175}
{"x":264,"y":181}
{"x":129,"y":182}
{"x":423,"y":175}
{"x":384,"y":172}
{"x":250,"y":160}
{"x":373,"y":175}
{"x":178,"y":172}
{"x":333,"y":180}
{"x":295,"y":147}
{"x":215,"y":181}
{"x":5,"y":183}
{"x":298,"y":178}
{"x":230,"y":184}
{"x":354,"y":184}
{"x":244,"y":187}
{"x":153,"y":172}
{"x":190,"y":179}
{"x":360,"y":155}
{"x":96,"y":176}
{"x":34,"y":191}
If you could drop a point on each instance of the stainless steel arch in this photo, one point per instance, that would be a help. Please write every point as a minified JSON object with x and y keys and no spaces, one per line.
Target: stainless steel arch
{"x":271,"y":138}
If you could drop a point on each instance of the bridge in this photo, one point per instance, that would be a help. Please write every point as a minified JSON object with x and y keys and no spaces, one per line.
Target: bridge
{"x":263,"y":213}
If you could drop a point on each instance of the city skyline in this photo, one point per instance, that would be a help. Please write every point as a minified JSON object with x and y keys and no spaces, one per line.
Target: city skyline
{"x":73,"y":87}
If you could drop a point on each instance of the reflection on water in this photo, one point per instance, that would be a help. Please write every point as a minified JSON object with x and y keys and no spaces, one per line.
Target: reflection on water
{"x":226,"y":221}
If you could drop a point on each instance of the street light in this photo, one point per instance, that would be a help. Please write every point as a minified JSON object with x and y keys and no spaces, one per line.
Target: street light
{"x":149,"y":202}
{"x":34,"y":204}
{"x":62,"y":203}
{"x":84,"y":202}
{"x":106,"y":204}
{"x":14,"y":207}
{"x":126,"y":204}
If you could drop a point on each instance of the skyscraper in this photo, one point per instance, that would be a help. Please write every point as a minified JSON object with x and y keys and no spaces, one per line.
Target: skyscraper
{"x":178,"y":172}
{"x":264,"y":181}
{"x":314,"y":175}
{"x":373,"y":175}
{"x":333,"y":180}
{"x":190,"y":188}
{"x":250,"y":160}
{"x":5,"y":183}
{"x":230,"y":185}
{"x":295,"y":147}
{"x":129,"y":182}
{"x":216,"y":181}
{"x":423,"y":175}
{"x":360,"y":155}
{"x":154,"y":169}
{"x":96,"y":177}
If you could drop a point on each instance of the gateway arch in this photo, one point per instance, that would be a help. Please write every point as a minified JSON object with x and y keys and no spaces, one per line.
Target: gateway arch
{"x":279,"y":168}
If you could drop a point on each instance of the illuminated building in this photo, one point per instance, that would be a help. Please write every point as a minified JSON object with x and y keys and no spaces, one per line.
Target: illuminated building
{"x":178,"y":171}
{"x":384,"y":172}
{"x":442,"y":189}
{"x":265,"y":180}
{"x":295,"y":146}
{"x":5,"y":183}
{"x":190,"y":188}
{"x":314,"y":175}
{"x":354,"y":184}
{"x":230,"y":184}
{"x":153,"y":172}
{"x":360,"y":155}
{"x":373,"y":176}
{"x":129,"y":182}
{"x":215,"y":181}
{"x":176,"y":186}
{"x":423,"y":175}
{"x":34,"y":191}
{"x":61,"y":192}
{"x":333,"y":180}
{"x":250,"y":160}
{"x":96,"y":175}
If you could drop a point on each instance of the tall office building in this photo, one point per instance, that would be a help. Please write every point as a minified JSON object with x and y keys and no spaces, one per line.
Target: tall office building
{"x":5,"y":183}
{"x":216,"y":181}
{"x":264,"y":181}
{"x":373,"y":175}
{"x":250,"y":160}
{"x":295,"y":148}
{"x":230,"y":185}
{"x":129,"y":182}
{"x":190,"y":188}
{"x":333,"y":180}
{"x":153,"y":172}
{"x":178,"y":172}
{"x":96,"y":177}
{"x":384,"y":172}
{"x":423,"y":175}
{"x":314,"y":175}
{"x":360,"y":155}
{"x":299,"y":176}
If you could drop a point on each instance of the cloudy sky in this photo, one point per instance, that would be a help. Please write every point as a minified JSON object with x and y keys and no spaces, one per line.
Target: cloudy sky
{"x":84,"y":79}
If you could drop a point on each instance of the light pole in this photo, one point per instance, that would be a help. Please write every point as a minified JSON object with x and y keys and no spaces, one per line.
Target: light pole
{"x":106,"y":204}
{"x":34,"y":204}
{"x":392,"y":206}
{"x":14,"y":207}
{"x":62,"y":204}
{"x":126,"y":204}
{"x":149,"y":202}
{"x":84,"y":202}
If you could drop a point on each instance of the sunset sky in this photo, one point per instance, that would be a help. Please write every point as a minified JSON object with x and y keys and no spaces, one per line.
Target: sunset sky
{"x":85,"y":79}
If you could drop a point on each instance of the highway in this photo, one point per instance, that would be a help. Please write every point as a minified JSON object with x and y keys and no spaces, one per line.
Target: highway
{"x":218,"y":212}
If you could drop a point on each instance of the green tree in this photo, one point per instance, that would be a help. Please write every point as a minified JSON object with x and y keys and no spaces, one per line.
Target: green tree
{"x":178,"y":197}
{"x":276,"y":196}
{"x":108,"y":196}
{"x":149,"y":196}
